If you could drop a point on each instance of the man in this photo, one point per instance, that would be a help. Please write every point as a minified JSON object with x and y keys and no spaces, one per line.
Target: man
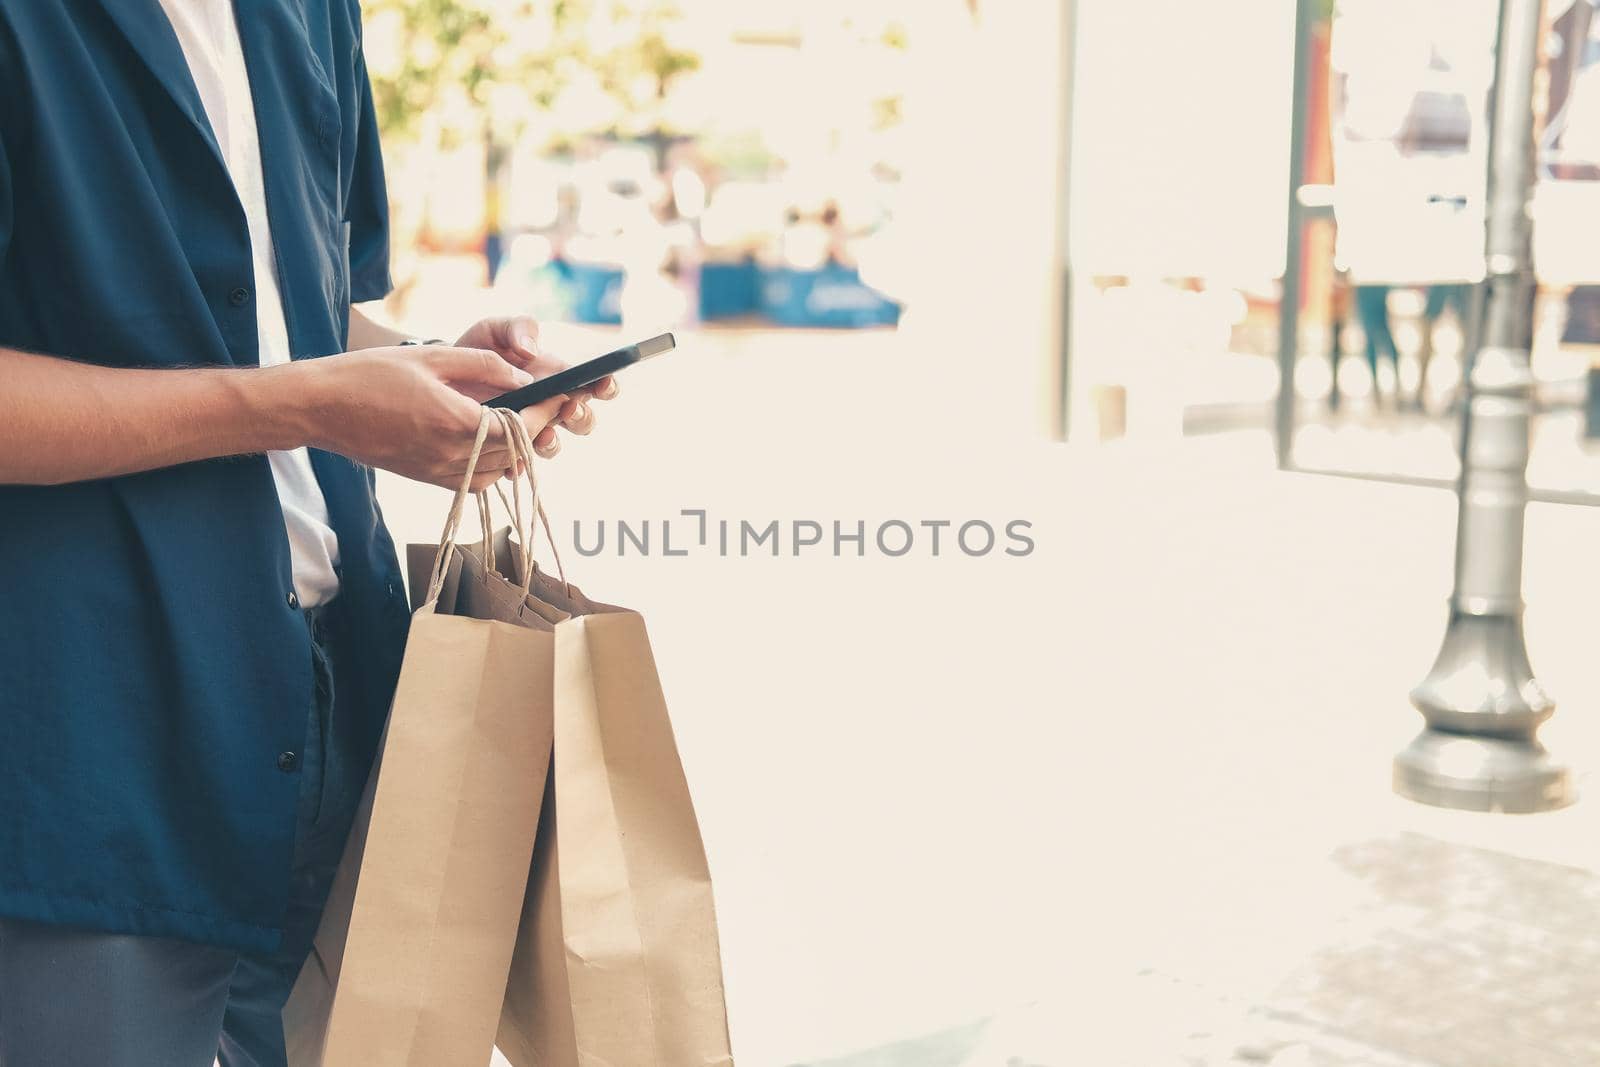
{"x":201,"y":614}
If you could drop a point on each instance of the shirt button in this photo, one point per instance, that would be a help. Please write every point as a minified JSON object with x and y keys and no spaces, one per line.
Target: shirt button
{"x":239,"y":297}
{"x":293,"y":600}
{"x":288,"y":761}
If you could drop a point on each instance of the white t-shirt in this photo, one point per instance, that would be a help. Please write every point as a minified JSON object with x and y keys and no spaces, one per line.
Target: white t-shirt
{"x":210,"y":40}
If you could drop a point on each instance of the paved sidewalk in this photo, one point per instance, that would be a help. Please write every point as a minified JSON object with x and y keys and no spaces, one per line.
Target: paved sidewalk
{"x":1246,"y":890}
{"x":1458,"y":958}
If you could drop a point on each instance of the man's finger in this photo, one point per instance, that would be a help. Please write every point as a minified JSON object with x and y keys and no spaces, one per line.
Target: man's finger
{"x":516,"y":338}
{"x":547,"y":443}
{"x":483,"y":479}
{"x":542,"y":414}
{"x":476,"y":367}
{"x":522,"y":334}
{"x":500,"y":458}
{"x":577,"y":416}
{"x":605,"y":389}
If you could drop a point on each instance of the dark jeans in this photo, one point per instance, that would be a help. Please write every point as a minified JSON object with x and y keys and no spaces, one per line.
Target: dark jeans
{"x":72,"y":998}
{"x":1372,"y":308}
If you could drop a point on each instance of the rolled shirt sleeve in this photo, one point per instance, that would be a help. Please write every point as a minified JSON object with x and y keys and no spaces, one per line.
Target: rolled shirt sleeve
{"x":368,"y":207}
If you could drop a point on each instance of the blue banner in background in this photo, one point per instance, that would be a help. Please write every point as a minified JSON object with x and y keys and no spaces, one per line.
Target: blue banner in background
{"x":729,"y":290}
{"x":596,"y":293}
{"x":833,"y":296}
{"x":574,"y":292}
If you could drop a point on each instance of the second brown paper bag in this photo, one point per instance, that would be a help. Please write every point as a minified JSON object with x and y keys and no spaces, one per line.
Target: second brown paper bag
{"x":617,"y":961}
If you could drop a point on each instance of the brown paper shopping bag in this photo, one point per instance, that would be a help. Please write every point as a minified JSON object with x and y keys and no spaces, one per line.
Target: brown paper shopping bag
{"x":617,"y":962}
{"x":410,"y":961}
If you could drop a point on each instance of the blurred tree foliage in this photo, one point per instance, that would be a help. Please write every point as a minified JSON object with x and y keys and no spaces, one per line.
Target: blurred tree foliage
{"x":477,"y":62}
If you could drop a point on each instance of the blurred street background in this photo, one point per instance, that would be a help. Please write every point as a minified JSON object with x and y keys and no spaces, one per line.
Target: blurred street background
{"x":1124,"y":799}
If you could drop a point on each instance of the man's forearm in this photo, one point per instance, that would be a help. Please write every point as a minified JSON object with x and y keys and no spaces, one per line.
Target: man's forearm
{"x":62,"y":421}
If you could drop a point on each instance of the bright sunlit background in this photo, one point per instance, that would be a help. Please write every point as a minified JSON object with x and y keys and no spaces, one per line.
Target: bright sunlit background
{"x":737,"y":168}
{"x":897,"y":167}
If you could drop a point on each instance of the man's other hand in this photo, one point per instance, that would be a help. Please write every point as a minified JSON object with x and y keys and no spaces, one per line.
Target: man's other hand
{"x":517,"y":341}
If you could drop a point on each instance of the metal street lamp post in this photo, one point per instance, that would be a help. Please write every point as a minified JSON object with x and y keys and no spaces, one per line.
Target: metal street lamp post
{"x":1294,"y":238}
{"x":1483,"y":706}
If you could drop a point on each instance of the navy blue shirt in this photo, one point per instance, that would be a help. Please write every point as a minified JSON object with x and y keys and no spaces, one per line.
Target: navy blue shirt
{"x":153,"y":664}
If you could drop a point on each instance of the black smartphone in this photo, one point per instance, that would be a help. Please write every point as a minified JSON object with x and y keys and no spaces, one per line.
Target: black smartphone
{"x":587,"y":373}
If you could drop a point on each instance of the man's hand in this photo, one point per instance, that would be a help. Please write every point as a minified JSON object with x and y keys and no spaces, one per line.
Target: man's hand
{"x":412,"y":410}
{"x":517,"y":342}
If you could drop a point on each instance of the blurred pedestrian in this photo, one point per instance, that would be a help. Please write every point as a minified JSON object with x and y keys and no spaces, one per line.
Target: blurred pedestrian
{"x":1372,"y":310}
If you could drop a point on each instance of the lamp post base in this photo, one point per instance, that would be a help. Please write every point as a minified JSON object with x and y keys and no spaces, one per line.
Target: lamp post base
{"x":1480,"y":750}
{"x":1477,"y":773}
